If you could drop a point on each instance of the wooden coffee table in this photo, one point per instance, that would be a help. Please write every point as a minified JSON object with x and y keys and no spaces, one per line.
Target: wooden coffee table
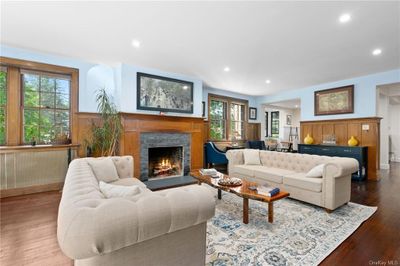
{"x":242,"y":191}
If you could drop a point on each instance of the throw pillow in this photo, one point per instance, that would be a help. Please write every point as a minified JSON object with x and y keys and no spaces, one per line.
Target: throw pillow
{"x":104,"y":169}
{"x":251,"y":157}
{"x":116,"y":191}
{"x":317,"y":171}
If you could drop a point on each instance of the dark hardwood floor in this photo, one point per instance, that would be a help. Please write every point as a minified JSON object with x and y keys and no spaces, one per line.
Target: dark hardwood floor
{"x":377,"y":239}
{"x":28,"y":227}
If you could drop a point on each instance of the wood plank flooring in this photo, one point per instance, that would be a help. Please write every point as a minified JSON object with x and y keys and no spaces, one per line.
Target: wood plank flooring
{"x":28,"y":227}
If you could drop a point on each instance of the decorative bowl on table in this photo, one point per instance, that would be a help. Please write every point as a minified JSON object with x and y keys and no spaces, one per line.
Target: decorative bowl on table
{"x":230,"y":182}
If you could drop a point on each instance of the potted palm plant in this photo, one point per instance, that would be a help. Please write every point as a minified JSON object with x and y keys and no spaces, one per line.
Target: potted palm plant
{"x":105,"y":134}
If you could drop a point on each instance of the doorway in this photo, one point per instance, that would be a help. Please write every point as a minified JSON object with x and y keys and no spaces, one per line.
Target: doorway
{"x":388,"y":107}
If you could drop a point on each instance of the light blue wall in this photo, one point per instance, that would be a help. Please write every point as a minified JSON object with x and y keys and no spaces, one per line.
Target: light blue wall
{"x":127,"y":91}
{"x":252,"y":99}
{"x":120,"y":80}
{"x":364,"y":95}
{"x":86,"y":99}
{"x":124,"y":92}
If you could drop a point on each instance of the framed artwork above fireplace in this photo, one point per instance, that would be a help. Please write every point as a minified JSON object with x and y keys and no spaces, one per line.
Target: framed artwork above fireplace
{"x":164,"y":94}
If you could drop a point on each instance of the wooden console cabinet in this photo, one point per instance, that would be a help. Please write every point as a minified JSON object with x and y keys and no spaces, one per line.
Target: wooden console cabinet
{"x":358,"y":153}
{"x":366,"y":130}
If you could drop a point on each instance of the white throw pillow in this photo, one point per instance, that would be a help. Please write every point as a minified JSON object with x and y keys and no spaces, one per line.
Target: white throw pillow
{"x":117,"y":191}
{"x":251,"y":157}
{"x":317,"y":171}
{"x":104,"y":169}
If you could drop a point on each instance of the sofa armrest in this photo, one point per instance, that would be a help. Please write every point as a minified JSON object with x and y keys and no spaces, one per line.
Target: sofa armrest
{"x":106,"y":225}
{"x":234,"y":157}
{"x":337,"y":183}
{"x":347,"y":166}
{"x":341,"y":167}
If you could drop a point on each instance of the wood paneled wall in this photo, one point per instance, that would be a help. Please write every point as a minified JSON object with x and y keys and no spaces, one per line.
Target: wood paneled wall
{"x":135,"y":124}
{"x":253,"y":131}
{"x":343,"y":129}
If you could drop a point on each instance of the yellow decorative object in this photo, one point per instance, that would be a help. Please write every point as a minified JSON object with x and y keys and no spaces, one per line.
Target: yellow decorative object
{"x":352,"y":141}
{"x":308,"y":139}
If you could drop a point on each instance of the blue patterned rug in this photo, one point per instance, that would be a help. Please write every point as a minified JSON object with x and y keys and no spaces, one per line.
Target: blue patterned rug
{"x":301,"y":234}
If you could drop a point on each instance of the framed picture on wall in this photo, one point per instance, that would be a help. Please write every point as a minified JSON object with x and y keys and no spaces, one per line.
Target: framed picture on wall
{"x":164,"y":94}
{"x":252,"y":113}
{"x":289,"y":120}
{"x":334,"y":101}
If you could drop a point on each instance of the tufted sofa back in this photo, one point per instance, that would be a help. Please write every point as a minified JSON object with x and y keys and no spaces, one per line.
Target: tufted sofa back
{"x":294,"y":161}
{"x":291,"y":161}
{"x":90,"y":224}
{"x":123,"y":164}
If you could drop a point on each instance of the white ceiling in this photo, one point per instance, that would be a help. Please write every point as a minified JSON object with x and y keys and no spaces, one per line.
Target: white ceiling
{"x":294,"y":44}
{"x":288,"y":104}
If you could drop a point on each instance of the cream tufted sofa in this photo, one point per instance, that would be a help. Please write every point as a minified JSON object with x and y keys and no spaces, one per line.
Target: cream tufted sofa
{"x":288,"y":172}
{"x":152,"y":228}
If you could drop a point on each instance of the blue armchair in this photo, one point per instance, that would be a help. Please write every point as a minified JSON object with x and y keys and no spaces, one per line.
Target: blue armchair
{"x":214,"y":155}
{"x":256,"y":144}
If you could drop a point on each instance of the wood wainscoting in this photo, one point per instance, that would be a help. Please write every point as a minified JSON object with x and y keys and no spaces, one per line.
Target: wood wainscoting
{"x":343,"y":129}
{"x":135,"y":124}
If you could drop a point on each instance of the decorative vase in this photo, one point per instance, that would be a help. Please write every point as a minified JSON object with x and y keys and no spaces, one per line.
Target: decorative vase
{"x":352,"y":141}
{"x":308,"y":139}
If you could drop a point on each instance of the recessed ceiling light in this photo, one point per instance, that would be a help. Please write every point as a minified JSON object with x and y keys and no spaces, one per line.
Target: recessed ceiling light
{"x":185,"y":87}
{"x":135,"y":43}
{"x":377,"y":51}
{"x":268,"y":81}
{"x":344,"y":18}
{"x":227,"y":69}
{"x":296,"y":106}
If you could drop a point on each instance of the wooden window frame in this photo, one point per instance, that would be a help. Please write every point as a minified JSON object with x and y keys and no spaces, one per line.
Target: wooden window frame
{"x":272,"y":113}
{"x":14,"y":109}
{"x":229,"y":101}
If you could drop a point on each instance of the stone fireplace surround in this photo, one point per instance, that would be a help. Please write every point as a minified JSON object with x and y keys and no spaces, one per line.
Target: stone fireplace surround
{"x":161,"y":139}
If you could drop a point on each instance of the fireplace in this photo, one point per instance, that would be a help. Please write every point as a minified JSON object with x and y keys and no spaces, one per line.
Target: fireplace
{"x":173,"y":148}
{"x":165,"y":162}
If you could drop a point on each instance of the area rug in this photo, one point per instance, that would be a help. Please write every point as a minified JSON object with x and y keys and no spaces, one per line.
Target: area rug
{"x":302,"y":234}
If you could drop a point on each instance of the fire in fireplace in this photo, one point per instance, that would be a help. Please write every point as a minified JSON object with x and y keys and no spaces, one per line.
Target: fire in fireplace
{"x":165,"y":162}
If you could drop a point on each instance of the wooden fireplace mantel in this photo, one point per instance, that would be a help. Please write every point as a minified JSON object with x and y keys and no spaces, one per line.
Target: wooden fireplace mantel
{"x":134,"y":124}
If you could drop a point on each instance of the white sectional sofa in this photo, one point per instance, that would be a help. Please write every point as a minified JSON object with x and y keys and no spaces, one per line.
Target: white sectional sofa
{"x":167,"y":227}
{"x":288,"y":171}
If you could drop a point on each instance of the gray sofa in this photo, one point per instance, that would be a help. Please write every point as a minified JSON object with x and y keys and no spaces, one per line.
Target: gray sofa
{"x":167,"y":227}
{"x":288,"y":172}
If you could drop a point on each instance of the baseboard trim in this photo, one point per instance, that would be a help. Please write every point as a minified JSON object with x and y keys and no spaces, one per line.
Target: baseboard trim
{"x":385,"y":166}
{"x":5,"y":193}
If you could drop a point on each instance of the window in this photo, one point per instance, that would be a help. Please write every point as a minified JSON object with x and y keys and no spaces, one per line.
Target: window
{"x":266,"y":124}
{"x":46,"y":106}
{"x":228,"y":117}
{"x":3,"y":104}
{"x":237,"y":121}
{"x":275,"y":124}
{"x":218,"y":119}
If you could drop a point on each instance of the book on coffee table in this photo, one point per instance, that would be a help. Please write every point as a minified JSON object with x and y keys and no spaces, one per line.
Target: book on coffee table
{"x":211,"y":171}
{"x":268,"y":191}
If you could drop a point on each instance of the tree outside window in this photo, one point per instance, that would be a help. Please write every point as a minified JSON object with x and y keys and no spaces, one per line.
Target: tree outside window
{"x":228,"y":118}
{"x":46,"y":107}
{"x":3,"y":104}
{"x":217,"y":120}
